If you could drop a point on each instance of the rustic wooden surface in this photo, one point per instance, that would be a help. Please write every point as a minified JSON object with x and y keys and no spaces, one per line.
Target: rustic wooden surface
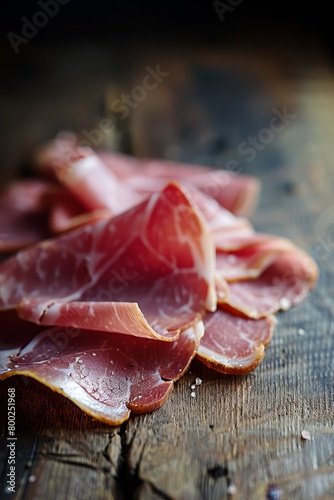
{"x":241,"y":431}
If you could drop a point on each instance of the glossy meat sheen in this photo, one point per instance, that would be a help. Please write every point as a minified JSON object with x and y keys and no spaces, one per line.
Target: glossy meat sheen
{"x":106,"y":375}
{"x":23,"y":217}
{"x":149,"y":272}
{"x":234,"y":345}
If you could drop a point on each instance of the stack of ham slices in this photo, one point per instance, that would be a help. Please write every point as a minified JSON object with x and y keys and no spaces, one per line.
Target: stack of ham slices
{"x":127,"y":269}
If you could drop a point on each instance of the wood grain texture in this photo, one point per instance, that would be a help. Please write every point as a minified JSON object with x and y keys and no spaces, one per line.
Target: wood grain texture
{"x":240,"y":437}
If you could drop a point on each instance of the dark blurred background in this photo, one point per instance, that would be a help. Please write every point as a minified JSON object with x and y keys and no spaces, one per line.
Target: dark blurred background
{"x":125,"y":21}
{"x":229,"y":64}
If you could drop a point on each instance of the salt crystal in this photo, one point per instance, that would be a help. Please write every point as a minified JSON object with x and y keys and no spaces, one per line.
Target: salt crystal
{"x":193,"y":387}
{"x":231,"y":489}
{"x":93,"y":353}
{"x":198,"y":381}
{"x":32,"y":478}
{"x":306,"y":435}
{"x":301,"y":331}
{"x":285,"y":304}
{"x":193,"y":394}
{"x":16,"y":366}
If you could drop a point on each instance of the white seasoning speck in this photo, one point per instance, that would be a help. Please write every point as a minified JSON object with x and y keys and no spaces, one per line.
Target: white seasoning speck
{"x":16,"y":366}
{"x":193,"y":387}
{"x":231,"y":489}
{"x":193,"y":394}
{"x":32,"y":478}
{"x":285,"y":304}
{"x":301,"y":331}
{"x":198,"y":381}
{"x":93,"y":353}
{"x":306,"y":435}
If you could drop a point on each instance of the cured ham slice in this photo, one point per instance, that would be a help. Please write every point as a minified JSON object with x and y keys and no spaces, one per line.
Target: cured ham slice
{"x":106,"y":375}
{"x":237,"y":193}
{"x":55,"y":153}
{"x":149,"y":272}
{"x":264,"y":273}
{"x":88,"y":179}
{"x":283,"y":284}
{"x":246,"y":256}
{"x":234,"y":345}
{"x":97,"y":188}
{"x":23,"y":216}
{"x":67,"y":213}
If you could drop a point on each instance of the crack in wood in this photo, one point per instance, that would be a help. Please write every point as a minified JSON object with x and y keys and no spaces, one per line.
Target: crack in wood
{"x":21,"y":493}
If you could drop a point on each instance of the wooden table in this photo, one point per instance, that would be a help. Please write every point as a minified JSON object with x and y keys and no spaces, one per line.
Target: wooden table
{"x":240,"y":437}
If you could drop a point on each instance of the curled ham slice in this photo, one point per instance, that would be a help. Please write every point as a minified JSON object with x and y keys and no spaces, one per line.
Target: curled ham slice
{"x":247,"y":256}
{"x":237,"y":193}
{"x":106,"y":375}
{"x":283,"y":284}
{"x":98,"y":189}
{"x":234,"y":345}
{"x":129,"y":292}
{"x":23,"y":216}
{"x":88,"y":179}
{"x":149,"y":272}
{"x":67,"y":213}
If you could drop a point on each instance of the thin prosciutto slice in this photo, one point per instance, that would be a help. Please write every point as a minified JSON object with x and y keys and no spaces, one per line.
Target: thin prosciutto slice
{"x":106,"y":375}
{"x":264,"y":273}
{"x":149,"y":272}
{"x":237,"y":193}
{"x":23,"y":216}
{"x":67,"y":213}
{"x":283,"y":284}
{"x":234,"y":345}
{"x":247,"y":255}
{"x":89,"y":180}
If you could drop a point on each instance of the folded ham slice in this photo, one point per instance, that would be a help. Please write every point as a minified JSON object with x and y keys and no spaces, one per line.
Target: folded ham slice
{"x":234,"y":345}
{"x":126,"y":292}
{"x":149,"y":272}
{"x":66,"y":212}
{"x":237,"y":193}
{"x":23,"y":216}
{"x":283,"y":284}
{"x":107,"y":375}
{"x":89,"y":180}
